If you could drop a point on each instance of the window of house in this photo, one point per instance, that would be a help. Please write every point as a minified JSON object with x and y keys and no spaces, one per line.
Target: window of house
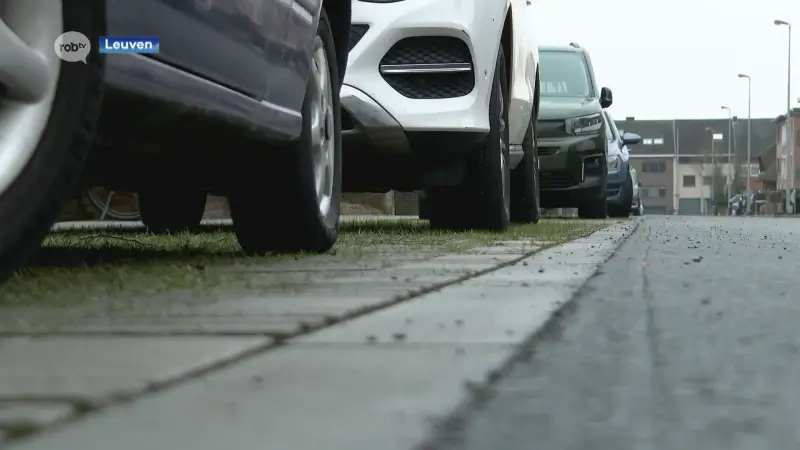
{"x":706,"y":181}
{"x":653,"y":192}
{"x":654,"y":167}
{"x":658,"y":141}
{"x":688,"y":181}
{"x":754,"y":170}
{"x":647,"y":141}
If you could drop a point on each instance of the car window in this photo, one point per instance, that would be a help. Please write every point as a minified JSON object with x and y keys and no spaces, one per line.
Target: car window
{"x":564,"y":74}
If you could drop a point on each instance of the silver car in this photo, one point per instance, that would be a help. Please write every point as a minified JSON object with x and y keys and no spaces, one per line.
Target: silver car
{"x":637,"y":208}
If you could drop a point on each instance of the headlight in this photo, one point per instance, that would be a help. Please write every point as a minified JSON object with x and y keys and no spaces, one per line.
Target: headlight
{"x":585,"y":124}
{"x":614,"y":164}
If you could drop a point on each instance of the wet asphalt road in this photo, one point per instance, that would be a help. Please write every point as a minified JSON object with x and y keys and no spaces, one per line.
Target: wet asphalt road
{"x":688,"y":338}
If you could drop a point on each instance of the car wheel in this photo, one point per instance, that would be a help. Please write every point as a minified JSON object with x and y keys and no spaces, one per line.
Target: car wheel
{"x":594,"y":207}
{"x":483,"y":200}
{"x":48,"y":112}
{"x":171,"y":209}
{"x":423,"y":206}
{"x":525,"y":181}
{"x":297,"y":209}
{"x":623,"y":209}
{"x":637,"y":210}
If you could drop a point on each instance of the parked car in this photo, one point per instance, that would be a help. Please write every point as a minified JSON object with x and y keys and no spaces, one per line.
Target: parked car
{"x":214,"y":112}
{"x":571,"y":134}
{"x":442,"y":96}
{"x":637,"y":207}
{"x":619,"y":183}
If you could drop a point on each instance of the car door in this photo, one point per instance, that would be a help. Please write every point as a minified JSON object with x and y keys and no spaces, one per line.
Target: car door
{"x":287,"y":85}
{"x":239,"y":44}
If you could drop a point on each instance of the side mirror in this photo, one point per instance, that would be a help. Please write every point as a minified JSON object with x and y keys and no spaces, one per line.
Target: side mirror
{"x":606,"y":99}
{"x":631,"y":139}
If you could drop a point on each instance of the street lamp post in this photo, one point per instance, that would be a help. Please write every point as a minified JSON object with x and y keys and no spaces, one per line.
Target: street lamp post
{"x":789,"y":122}
{"x":730,"y":143}
{"x":713,"y":170}
{"x":749,"y":99}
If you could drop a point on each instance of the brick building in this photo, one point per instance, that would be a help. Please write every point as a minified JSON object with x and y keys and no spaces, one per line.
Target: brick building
{"x":676,"y":158}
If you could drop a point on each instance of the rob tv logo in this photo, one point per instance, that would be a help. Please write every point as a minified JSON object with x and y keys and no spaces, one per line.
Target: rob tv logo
{"x":129,"y":44}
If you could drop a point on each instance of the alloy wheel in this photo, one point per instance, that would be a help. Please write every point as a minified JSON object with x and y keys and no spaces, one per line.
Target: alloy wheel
{"x":322,"y":127}
{"x":29,"y":70}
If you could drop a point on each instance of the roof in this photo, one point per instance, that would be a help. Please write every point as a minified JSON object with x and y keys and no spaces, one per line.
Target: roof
{"x":560,"y":48}
{"x":767,"y":157}
{"x":771,"y":174}
{"x":782,"y":118}
{"x":694,"y":139}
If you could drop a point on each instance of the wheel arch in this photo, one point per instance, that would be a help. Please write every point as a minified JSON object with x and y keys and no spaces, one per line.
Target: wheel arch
{"x":339,"y":15}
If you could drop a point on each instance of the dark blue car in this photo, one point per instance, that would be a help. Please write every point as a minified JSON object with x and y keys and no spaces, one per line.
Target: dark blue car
{"x":238,"y":98}
{"x":619,"y":184}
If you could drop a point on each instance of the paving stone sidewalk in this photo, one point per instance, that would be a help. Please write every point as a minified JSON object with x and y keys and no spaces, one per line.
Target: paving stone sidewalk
{"x":257,"y":363}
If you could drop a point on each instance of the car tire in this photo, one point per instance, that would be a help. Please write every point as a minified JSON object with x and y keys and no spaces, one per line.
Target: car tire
{"x":58,"y":140}
{"x":594,"y":207}
{"x":623,"y":210}
{"x":423,"y":206}
{"x":286,"y":213}
{"x":525,"y":204}
{"x":483,"y":199}
{"x":171,"y":209}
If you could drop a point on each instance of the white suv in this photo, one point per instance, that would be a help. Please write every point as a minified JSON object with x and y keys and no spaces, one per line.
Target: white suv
{"x":442,"y":96}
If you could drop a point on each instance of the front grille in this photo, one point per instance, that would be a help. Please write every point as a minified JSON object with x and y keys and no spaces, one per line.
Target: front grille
{"x":426,"y":50}
{"x":555,"y":180}
{"x":357,"y":31}
{"x":547,"y":151}
{"x":432,"y":85}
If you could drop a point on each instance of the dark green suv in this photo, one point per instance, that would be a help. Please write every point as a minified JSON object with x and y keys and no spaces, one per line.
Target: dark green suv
{"x":570,"y":132}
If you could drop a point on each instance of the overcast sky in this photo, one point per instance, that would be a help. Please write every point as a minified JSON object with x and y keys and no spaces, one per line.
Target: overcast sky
{"x":680,"y":58}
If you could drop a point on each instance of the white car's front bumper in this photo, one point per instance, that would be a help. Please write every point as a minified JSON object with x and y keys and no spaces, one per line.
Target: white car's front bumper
{"x":375,"y":106}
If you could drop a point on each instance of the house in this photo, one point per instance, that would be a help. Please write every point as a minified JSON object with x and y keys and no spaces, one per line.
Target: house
{"x":676,"y":159}
{"x":786,"y":178}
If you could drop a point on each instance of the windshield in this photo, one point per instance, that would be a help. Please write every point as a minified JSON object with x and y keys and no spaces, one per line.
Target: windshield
{"x":564,"y":74}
